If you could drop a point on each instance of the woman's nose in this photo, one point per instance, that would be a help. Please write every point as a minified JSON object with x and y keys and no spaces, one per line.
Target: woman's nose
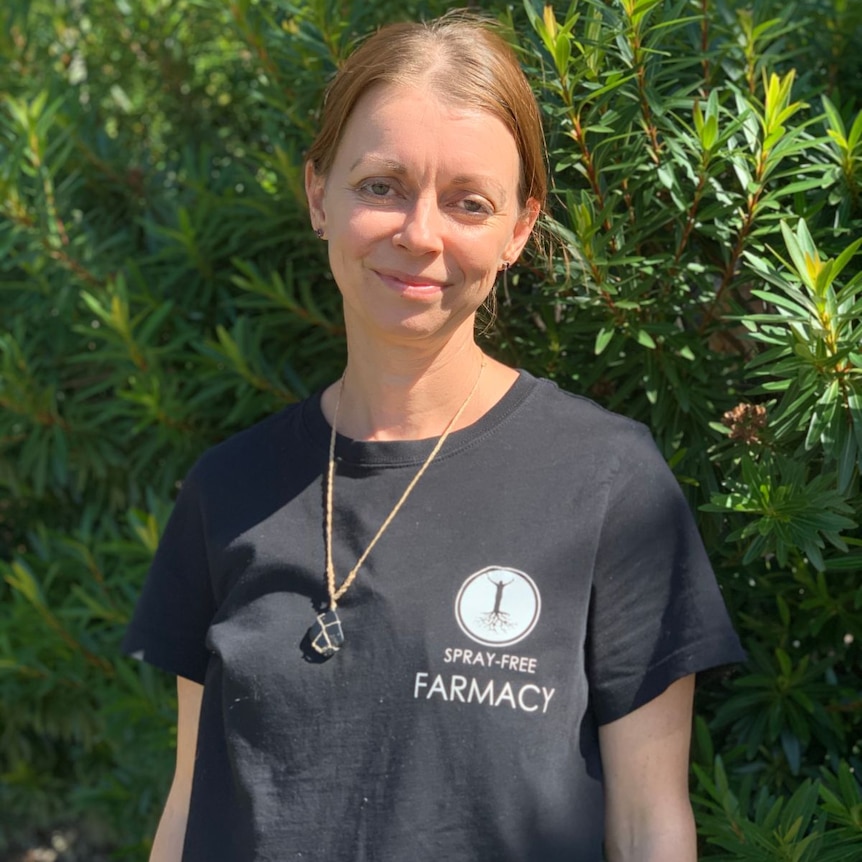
{"x":422,"y":230}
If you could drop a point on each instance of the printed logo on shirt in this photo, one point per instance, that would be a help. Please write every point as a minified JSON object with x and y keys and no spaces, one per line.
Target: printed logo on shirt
{"x":498,"y":606}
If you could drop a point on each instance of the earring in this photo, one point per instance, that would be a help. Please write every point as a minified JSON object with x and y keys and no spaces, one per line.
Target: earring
{"x":505,"y":268}
{"x":319,"y":233}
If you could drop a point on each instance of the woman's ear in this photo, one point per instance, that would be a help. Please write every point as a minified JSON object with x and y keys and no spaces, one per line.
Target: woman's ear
{"x":523,"y":229}
{"x":315,"y":190}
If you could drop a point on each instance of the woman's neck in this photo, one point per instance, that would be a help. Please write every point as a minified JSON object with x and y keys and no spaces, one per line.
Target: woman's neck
{"x":409,"y":393}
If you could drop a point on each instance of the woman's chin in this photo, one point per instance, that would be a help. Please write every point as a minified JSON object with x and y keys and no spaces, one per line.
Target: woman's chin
{"x":420,"y":325}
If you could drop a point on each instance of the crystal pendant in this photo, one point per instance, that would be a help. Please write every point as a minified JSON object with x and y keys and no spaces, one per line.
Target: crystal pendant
{"x":325,"y":635}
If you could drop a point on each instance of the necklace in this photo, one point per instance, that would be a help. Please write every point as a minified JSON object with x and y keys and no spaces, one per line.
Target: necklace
{"x":326,"y":636}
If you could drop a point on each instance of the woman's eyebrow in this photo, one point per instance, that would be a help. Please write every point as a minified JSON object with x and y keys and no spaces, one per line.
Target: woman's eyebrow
{"x":380,"y":162}
{"x":482,"y":179}
{"x":395,"y":167}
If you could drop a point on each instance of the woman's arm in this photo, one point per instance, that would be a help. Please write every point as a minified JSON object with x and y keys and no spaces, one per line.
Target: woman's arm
{"x":645,"y":757}
{"x":168,"y":843}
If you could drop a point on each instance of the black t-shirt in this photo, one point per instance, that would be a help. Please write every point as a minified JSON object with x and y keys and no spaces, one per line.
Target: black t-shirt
{"x":543,"y":578}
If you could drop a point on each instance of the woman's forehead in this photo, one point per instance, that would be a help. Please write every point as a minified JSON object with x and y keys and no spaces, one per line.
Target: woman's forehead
{"x":393,"y":118}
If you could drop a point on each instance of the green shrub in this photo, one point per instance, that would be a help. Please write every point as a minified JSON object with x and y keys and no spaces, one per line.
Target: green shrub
{"x":709,"y":214}
{"x":161,"y":289}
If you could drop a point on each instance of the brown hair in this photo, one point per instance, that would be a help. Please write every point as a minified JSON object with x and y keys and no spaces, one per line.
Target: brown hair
{"x":461,"y":59}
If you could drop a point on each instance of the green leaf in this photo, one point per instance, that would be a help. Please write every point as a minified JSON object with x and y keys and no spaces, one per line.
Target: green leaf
{"x":645,"y":339}
{"x":603,"y":338}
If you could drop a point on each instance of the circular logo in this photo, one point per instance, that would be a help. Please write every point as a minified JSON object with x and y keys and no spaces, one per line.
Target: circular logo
{"x":498,"y":606}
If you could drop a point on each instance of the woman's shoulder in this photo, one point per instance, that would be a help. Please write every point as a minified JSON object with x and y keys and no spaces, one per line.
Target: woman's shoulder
{"x":565,"y":411}
{"x":255,"y":449}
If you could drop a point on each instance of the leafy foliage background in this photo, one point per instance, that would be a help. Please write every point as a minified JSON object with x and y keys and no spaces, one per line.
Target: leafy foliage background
{"x":160,"y":289}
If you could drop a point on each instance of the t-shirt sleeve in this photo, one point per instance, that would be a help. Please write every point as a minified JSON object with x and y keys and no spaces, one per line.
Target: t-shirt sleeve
{"x":176,"y":607}
{"x":656,"y":612}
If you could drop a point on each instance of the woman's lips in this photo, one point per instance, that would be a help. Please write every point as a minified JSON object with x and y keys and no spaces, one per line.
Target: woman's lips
{"x":407,"y":285}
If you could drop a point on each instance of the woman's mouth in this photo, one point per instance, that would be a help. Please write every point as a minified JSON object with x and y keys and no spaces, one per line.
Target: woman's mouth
{"x":411,"y":285}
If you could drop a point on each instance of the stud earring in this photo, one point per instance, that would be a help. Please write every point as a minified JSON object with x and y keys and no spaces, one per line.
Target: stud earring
{"x":319,"y":233}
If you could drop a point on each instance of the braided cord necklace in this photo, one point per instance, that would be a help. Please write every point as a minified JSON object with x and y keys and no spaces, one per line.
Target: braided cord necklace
{"x":327,"y":635}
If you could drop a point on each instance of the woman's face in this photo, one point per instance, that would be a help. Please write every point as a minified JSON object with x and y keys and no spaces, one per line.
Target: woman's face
{"x":420,"y":209}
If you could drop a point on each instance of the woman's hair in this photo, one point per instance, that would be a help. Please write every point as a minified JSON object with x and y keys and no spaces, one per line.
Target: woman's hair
{"x":458,"y":58}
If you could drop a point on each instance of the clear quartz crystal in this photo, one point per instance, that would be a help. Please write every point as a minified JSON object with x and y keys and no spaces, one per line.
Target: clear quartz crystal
{"x":326,"y":635}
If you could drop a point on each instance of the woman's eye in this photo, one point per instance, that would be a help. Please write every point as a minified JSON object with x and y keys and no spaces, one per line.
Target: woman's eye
{"x":475,"y":207}
{"x":377,"y":188}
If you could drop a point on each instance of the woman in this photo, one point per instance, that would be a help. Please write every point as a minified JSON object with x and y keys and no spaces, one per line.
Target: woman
{"x":442,"y":610}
